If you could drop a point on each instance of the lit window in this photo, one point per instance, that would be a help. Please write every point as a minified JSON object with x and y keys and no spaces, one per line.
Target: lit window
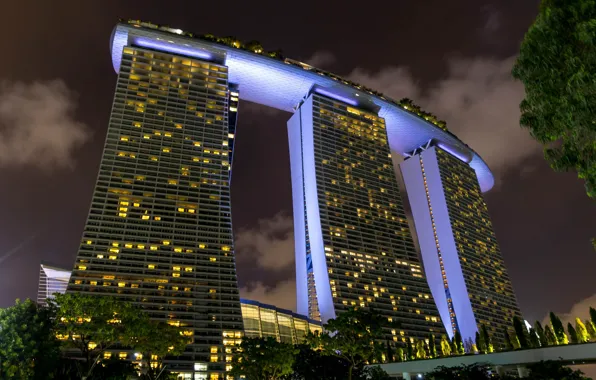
{"x":165,"y":242}
{"x":172,"y":182}
{"x":151,"y":266}
{"x":154,"y":248}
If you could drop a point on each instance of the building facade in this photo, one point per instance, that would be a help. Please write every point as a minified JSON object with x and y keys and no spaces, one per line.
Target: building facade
{"x":264,"y":321}
{"x":51,"y":280}
{"x":352,"y":240}
{"x":462,"y":260}
{"x":159,"y":231}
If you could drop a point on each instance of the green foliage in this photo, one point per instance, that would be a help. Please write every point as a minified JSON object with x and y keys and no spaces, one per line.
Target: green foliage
{"x":458,"y":344}
{"x":508,"y":342}
{"x":554,"y":370}
{"x":28,"y":347}
{"x":420,"y":349}
{"x":93,"y":324}
{"x":432,"y":346}
{"x":409,"y":105}
{"x":550,"y":336}
{"x":572,"y":333}
{"x":410,"y":354}
{"x":557,"y":66}
{"x":480,"y":343}
{"x":311,"y":364}
{"x":355,"y":337}
{"x":520,"y":332}
{"x":533,"y":338}
{"x":591,"y":329}
{"x":558,"y":329}
{"x":593,"y":315}
{"x":375,"y":373}
{"x":263,"y":359}
{"x":488,"y":343}
{"x":541,"y":334}
{"x":514,"y":341}
{"x":445,"y":346}
{"x":582,"y":332}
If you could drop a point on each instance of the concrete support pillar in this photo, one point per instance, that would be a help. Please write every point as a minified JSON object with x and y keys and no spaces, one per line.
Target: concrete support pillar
{"x":406,"y":376}
{"x":522,"y":371}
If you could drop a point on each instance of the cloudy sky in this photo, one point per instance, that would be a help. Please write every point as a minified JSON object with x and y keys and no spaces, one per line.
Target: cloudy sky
{"x":454,"y":58}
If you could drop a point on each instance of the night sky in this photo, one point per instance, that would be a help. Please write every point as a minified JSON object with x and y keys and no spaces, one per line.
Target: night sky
{"x":453,"y":58}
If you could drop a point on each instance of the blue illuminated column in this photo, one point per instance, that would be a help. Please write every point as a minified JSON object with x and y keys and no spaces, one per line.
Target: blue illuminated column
{"x":352,"y":240}
{"x":462,"y":261}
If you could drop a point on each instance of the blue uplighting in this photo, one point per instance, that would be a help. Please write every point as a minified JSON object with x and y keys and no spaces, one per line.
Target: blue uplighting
{"x":172,"y":48}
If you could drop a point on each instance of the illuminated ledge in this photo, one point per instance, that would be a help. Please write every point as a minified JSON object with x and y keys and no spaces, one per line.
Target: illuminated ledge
{"x":274,"y":83}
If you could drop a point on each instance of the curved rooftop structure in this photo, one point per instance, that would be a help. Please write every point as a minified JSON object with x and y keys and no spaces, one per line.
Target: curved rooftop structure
{"x":283,"y":84}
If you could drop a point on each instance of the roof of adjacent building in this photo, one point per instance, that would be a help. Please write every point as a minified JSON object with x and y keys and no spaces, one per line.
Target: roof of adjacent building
{"x":279,"y":310}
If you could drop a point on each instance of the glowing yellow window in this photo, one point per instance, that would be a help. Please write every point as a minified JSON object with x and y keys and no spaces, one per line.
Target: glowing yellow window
{"x":153,"y":248}
{"x":172,"y":182}
{"x":78,"y":282}
{"x":176,"y":268}
{"x":196,"y":143}
{"x":202,"y":245}
{"x":157,"y":218}
{"x":166,"y":150}
{"x":180,"y":209}
{"x":225,"y":248}
{"x":141,"y":246}
{"x":122,"y":214}
{"x":89,"y":242}
{"x":212,"y":259}
{"x":151,"y":266}
{"x":191,"y":210}
{"x":121,"y":284}
{"x":107,"y":355}
{"x":165,"y":242}
{"x":212,"y":291}
{"x":93,"y":282}
{"x":112,"y":257}
{"x":153,"y":158}
{"x":214,"y":359}
{"x":100,"y":256}
{"x":134,"y":285}
{"x":122,"y":355}
{"x":82,"y":267}
{"x":145,"y":217}
{"x":188,"y":269}
{"x":167,"y":134}
{"x":175,"y":274}
{"x":177,"y":249}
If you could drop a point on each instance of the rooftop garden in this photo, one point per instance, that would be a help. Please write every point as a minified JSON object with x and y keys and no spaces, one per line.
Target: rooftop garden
{"x":256,"y":48}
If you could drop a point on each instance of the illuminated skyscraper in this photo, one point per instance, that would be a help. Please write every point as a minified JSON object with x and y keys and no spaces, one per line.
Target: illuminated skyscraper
{"x":159,"y":232}
{"x":462,"y":260}
{"x":352,"y":240}
{"x":51,"y":280}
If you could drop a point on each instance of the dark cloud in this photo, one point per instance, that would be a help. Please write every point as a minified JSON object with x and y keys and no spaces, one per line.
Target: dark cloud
{"x":270,"y":243}
{"x":479,"y":100}
{"x":282,"y":295}
{"x":37,"y":125}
